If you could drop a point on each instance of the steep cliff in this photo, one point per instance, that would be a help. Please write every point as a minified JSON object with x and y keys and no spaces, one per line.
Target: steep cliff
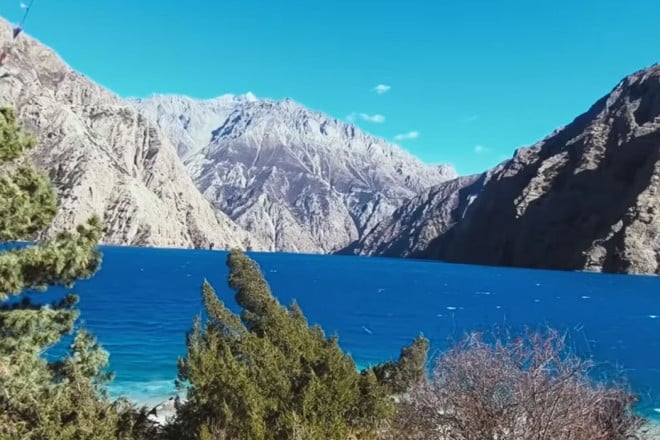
{"x":411,"y":227}
{"x":295,"y":178}
{"x":104,"y":157}
{"x":409,"y":230}
{"x":585,"y":197}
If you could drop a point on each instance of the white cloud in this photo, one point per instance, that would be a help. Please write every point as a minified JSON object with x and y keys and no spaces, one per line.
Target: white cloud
{"x":406,"y":136}
{"x":471,"y":118}
{"x":480,"y":149}
{"x":376,"y":119}
{"x":382,"y":88}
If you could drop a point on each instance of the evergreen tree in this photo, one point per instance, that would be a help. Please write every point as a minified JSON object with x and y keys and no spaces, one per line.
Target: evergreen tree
{"x":266,"y":374}
{"x":39,"y":399}
{"x":397,"y":376}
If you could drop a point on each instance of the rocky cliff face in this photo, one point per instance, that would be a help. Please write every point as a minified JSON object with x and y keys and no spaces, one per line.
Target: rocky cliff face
{"x":586,"y":197}
{"x":409,"y":230}
{"x":297,"y":179}
{"x":106,"y":158}
{"x":187,"y":122}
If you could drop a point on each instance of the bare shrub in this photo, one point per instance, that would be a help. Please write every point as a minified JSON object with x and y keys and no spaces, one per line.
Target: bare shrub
{"x":525,"y":388}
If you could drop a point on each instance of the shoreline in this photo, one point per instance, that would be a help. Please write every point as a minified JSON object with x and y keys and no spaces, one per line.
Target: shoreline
{"x":162,"y":409}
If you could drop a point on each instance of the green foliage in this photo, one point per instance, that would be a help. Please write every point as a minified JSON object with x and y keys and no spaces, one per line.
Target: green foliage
{"x":408,"y":369}
{"x":59,"y":261}
{"x":14,"y":142}
{"x":133,"y":422}
{"x":27,"y":201}
{"x":267,"y":374}
{"x":39,"y":399}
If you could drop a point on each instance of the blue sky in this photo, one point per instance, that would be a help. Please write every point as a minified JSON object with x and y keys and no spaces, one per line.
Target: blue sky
{"x":467,"y":81}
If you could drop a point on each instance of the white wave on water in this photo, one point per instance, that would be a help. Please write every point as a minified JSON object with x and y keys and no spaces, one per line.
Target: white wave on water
{"x":149,"y":393}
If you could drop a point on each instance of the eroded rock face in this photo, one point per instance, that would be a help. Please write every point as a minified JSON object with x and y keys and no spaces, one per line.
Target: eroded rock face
{"x":296,"y":179}
{"x":411,"y":227}
{"x":586,"y":197}
{"x":106,"y":158}
{"x":173,"y":171}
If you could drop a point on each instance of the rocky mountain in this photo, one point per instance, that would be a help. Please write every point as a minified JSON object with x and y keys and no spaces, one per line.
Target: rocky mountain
{"x":188,"y":122}
{"x":295,"y":178}
{"x":106,"y":158}
{"x":420,"y":220}
{"x":586,"y":197}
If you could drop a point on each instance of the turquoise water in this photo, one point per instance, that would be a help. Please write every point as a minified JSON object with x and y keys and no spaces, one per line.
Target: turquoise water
{"x":143,"y":300}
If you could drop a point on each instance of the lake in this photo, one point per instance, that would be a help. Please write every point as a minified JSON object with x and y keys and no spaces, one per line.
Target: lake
{"x":142,"y":301}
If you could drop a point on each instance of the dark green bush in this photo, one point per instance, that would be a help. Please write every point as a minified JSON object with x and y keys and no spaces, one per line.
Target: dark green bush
{"x":267,"y":374}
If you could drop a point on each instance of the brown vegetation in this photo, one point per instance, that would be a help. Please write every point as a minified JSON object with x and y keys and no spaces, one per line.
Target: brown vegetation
{"x":526,"y":388}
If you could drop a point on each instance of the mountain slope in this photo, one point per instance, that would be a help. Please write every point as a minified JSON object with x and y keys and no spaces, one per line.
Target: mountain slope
{"x":296,"y":179}
{"x":188,"y":122}
{"x":586,"y":197}
{"x":415,"y":224}
{"x":106,"y":158}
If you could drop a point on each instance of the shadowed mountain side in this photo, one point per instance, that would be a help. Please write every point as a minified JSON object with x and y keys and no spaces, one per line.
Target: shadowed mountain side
{"x":586,"y":197}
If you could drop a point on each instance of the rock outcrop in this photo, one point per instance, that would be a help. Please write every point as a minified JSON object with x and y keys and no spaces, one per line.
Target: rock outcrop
{"x":411,"y":227}
{"x":297,"y":179}
{"x":106,"y":158}
{"x":586,"y":197}
{"x":409,"y":230}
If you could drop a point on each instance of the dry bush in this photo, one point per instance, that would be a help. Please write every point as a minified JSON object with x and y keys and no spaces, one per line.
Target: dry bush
{"x":526,"y":388}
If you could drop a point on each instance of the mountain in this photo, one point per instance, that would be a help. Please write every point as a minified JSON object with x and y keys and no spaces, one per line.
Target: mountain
{"x":235,"y":171}
{"x":105,"y":158}
{"x":295,"y":178}
{"x":584,"y":198}
{"x":188,"y":122}
{"x":409,"y":230}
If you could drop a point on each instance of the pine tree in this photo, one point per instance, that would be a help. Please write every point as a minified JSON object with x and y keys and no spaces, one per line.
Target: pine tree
{"x":397,"y":376}
{"x":40,"y":399}
{"x":266,"y":374}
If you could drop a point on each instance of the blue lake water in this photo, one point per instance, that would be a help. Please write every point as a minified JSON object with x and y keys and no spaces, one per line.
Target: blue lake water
{"x":142,"y":302}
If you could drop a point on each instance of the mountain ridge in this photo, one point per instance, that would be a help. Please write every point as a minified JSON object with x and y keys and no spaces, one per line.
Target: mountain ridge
{"x":275,"y":151}
{"x":583,"y":198}
{"x":105,"y":158}
{"x":412,"y":227}
{"x":149,"y":175}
